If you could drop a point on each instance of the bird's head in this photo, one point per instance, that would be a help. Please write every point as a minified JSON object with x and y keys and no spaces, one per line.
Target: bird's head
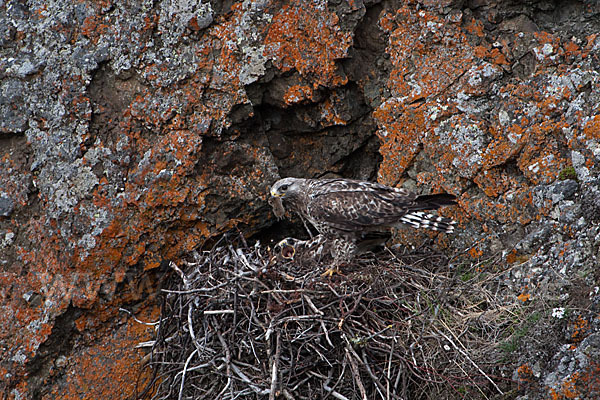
{"x":287,"y":187}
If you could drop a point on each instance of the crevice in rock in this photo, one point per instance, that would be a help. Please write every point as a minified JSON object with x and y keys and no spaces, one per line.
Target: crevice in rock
{"x":568,"y":18}
{"x":58,"y":344}
{"x":300,"y":138}
{"x":16,"y":188}
{"x":353,"y":164}
{"x":369,"y":64}
{"x":279,"y":230}
{"x":138,"y":288}
{"x":303,"y":143}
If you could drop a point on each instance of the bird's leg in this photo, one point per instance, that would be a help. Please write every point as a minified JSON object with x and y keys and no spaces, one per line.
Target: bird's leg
{"x":315,"y":241}
{"x":343,"y":252}
{"x":317,"y":245}
{"x":306,"y":227}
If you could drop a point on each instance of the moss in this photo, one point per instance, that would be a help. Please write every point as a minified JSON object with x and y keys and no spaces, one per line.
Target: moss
{"x":567,"y":173}
{"x":514,"y":341}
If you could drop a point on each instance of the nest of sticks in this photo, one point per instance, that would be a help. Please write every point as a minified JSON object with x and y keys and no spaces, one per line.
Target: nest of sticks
{"x":239,"y":322}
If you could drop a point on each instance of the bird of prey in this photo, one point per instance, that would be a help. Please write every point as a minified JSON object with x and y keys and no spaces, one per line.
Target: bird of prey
{"x":346,"y":212}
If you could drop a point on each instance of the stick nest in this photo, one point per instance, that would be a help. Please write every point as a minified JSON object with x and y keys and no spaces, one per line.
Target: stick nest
{"x":239,"y":322}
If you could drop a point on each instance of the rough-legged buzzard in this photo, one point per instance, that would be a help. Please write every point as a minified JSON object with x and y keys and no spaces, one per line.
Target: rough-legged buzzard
{"x":346,"y":212}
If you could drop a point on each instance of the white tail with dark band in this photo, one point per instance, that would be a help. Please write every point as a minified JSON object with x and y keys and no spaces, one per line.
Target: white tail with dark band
{"x":420,"y":219}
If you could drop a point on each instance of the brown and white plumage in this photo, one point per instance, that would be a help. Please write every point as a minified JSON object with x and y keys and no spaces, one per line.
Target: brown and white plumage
{"x":346,"y":210}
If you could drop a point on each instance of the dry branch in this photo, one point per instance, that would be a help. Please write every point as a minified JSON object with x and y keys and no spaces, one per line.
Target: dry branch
{"x":241,"y":323}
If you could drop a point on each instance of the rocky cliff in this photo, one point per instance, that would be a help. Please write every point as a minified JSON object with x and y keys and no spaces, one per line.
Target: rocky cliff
{"x":133,"y":132}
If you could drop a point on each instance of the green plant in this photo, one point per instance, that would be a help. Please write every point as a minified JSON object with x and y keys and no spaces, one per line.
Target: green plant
{"x":567,"y":173}
{"x":514,"y":340}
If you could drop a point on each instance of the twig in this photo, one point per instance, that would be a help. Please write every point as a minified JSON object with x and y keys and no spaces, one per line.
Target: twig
{"x":470,"y":360}
{"x":251,"y":384}
{"x":216,"y":312}
{"x":174,"y":266}
{"x":274,"y":367}
{"x":258,"y":333}
{"x":287,"y":394}
{"x":227,"y":359}
{"x":334,"y":393}
{"x":373,"y":376}
{"x":389,"y":370}
{"x":197,"y":290}
{"x":355,"y":371}
{"x":316,"y":310}
{"x":187,"y":362}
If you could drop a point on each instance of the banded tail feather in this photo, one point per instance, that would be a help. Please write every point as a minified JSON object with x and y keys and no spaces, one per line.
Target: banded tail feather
{"x":420,"y":219}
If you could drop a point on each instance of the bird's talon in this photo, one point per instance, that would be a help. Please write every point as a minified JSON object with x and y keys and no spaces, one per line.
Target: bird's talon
{"x":330,"y":271}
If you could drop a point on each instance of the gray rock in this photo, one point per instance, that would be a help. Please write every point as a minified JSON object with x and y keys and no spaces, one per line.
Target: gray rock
{"x":564,"y":190}
{"x":6,"y":206}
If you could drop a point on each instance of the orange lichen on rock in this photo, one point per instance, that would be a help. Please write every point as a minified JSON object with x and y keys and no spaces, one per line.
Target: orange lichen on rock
{"x":583,"y":384}
{"x":475,"y":252}
{"x":113,"y":367}
{"x":400,"y":128}
{"x":495,"y":181}
{"x":298,"y":94}
{"x":332,"y":110}
{"x":580,"y":330}
{"x":427,"y":56}
{"x":475,"y":27}
{"x":525,"y":372}
{"x":506,"y":145}
{"x":591,"y":129}
{"x":524,"y":297}
{"x":309,"y":40}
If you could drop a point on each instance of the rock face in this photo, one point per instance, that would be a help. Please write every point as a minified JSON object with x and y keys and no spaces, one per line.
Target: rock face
{"x":132,"y":132}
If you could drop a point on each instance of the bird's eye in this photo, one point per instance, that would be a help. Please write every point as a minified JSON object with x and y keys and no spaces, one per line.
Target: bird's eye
{"x":284,"y":187}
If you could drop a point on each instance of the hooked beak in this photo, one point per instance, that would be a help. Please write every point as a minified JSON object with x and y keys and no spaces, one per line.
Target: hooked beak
{"x":275,"y":194}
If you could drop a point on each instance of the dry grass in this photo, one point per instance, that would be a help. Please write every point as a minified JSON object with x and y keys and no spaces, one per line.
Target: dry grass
{"x":240,"y":323}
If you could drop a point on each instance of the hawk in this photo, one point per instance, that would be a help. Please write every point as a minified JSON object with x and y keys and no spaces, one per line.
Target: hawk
{"x":347,"y":212}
